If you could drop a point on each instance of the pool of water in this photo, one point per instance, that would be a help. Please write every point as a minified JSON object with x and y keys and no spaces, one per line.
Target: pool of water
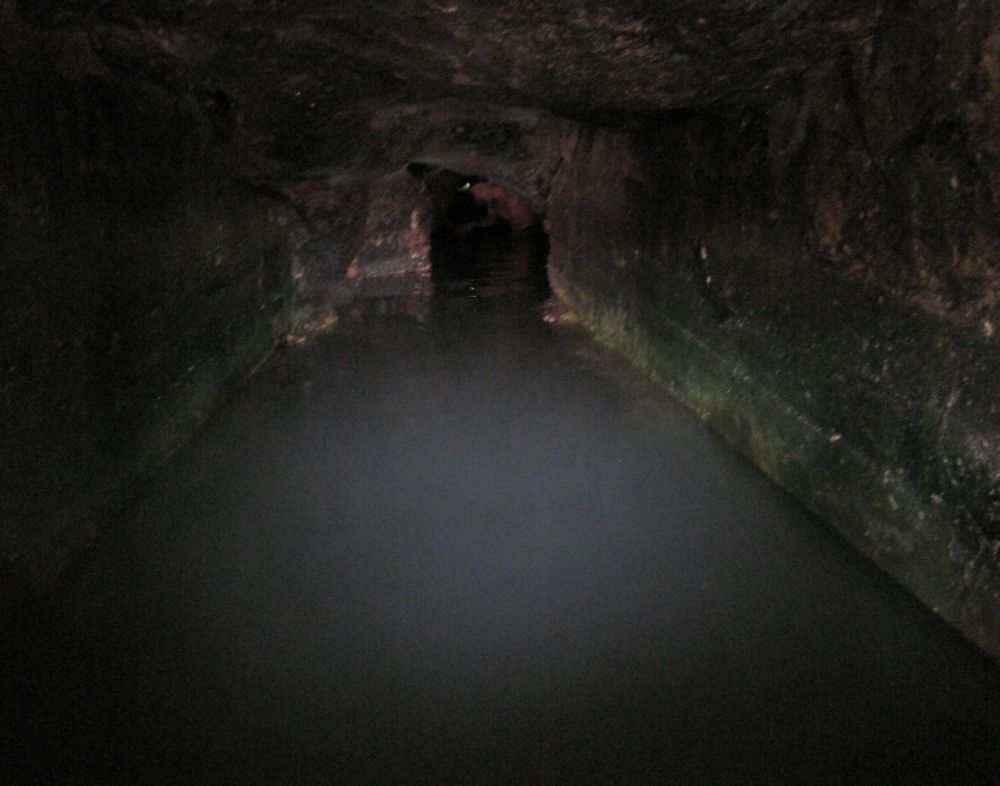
{"x":449,"y":542}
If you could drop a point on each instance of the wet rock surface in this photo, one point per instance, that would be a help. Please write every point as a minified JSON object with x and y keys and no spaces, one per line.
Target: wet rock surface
{"x":878,"y":414}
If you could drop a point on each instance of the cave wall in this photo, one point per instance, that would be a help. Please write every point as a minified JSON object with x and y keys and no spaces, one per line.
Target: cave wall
{"x":817,"y":279}
{"x":366,"y":216}
{"x":786,"y":211}
{"x":889,"y":155}
{"x":139,"y":284}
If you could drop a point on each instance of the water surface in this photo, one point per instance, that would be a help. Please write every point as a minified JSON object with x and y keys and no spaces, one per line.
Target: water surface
{"x":452,"y":543}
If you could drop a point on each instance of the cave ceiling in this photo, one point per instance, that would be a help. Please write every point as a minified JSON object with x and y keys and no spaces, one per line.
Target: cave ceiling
{"x":299,"y":70}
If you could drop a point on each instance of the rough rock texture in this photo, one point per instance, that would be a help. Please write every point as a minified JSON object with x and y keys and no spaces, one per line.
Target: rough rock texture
{"x":787,"y":209}
{"x":889,"y":154}
{"x":138,"y":286}
{"x":855,"y":93}
{"x":397,"y":234}
{"x":370,"y":215}
{"x":879,"y":414}
{"x":296,"y":71}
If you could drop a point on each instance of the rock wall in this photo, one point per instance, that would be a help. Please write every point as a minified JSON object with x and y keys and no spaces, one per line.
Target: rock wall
{"x":369,"y":214}
{"x":888,"y":158}
{"x":787,"y":211}
{"x":138,"y":286}
{"x":817,"y":280}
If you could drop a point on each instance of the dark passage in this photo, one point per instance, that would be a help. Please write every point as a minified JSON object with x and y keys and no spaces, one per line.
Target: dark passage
{"x":492,"y":268}
{"x":464,"y":550}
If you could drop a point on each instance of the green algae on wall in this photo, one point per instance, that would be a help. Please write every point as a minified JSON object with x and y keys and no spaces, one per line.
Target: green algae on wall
{"x":879,"y":415}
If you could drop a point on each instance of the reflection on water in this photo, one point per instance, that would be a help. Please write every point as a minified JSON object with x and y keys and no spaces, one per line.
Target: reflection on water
{"x":499,"y":272}
{"x":497,"y":266}
{"x":450,"y":543}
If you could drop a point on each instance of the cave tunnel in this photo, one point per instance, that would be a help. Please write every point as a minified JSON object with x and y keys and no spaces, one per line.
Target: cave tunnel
{"x":499,"y":392}
{"x":485,"y":240}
